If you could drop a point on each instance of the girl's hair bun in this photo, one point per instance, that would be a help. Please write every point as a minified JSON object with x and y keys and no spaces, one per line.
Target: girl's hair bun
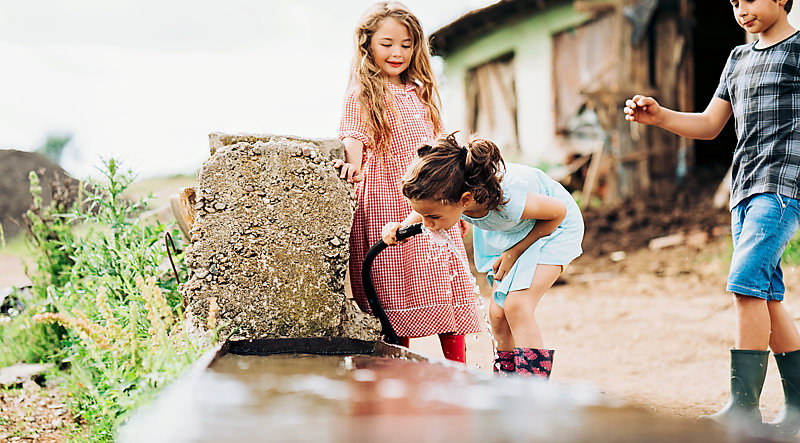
{"x":424,"y":150}
{"x":446,"y":170}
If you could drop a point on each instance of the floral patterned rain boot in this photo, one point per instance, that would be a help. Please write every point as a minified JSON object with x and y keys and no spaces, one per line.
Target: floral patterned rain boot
{"x":504,"y":363}
{"x":531,"y":362}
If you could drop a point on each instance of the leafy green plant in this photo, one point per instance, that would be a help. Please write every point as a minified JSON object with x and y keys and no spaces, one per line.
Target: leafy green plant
{"x":792,"y":253}
{"x":106,"y":302}
{"x":51,"y":236}
{"x":24,"y":340}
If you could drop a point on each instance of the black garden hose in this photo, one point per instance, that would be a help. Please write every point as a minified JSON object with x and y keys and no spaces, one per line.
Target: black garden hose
{"x":366,"y":280}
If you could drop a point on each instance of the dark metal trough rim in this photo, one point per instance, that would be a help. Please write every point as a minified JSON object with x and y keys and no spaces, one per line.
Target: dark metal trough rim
{"x":313,"y":346}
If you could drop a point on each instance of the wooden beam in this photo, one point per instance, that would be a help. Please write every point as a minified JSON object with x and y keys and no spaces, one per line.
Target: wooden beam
{"x":592,"y":175}
{"x":183,"y":209}
{"x":596,"y":7}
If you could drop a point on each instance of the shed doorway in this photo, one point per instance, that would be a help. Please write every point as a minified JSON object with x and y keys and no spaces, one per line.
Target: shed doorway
{"x":714,"y":35}
{"x":492,"y":104}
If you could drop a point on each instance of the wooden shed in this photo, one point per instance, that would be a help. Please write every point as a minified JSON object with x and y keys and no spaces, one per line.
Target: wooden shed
{"x":547,"y":80}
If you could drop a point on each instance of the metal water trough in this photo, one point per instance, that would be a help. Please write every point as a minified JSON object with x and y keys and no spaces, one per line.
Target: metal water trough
{"x":314,"y":346}
{"x":341,"y":389}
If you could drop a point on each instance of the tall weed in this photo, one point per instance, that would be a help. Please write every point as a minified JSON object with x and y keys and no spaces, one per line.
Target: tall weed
{"x":106,"y":299}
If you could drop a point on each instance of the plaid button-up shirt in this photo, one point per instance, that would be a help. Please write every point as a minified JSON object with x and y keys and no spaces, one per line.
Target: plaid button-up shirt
{"x":763,"y":87}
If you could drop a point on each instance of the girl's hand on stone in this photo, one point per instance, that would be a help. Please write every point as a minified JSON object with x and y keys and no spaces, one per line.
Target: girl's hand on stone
{"x":464,"y":227}
{"x":349,"y":172}
{"x":389,"y":233}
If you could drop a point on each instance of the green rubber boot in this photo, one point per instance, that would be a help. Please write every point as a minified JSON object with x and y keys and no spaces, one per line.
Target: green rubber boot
{"x":787,"y":423}
{"x":748,"y":370}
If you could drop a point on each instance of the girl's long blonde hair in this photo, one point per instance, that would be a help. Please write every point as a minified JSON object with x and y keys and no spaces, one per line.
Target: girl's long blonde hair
{"x":370,"y":81}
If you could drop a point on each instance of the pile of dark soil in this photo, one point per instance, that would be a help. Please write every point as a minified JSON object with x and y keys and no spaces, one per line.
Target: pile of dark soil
{"x":15,"y":195}
{"x":632,"y":224}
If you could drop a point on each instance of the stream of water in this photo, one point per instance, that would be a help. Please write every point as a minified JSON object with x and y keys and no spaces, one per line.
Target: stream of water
{"x":442,"y":238}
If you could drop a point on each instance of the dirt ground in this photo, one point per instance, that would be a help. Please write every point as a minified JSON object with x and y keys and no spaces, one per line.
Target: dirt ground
{"x":34,"y":413}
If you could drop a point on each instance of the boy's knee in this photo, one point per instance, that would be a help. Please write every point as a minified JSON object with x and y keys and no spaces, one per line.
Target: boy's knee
{"x":748,"y":300}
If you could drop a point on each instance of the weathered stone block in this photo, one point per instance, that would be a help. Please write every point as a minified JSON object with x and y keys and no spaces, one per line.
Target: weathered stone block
{"x":269,"y":246}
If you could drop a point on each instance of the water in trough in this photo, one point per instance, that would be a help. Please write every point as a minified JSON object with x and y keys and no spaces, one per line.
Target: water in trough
{"x":391,"y":395}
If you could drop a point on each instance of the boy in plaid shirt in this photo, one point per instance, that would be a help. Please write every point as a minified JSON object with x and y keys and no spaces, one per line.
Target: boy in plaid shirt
{"x":760,"y":86}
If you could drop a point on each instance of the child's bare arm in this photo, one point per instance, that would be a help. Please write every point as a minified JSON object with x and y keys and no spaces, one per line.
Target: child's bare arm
{"x":351,"y":166}
{"x":389,"y":230}
{"x":704,"y":125}
{"x":548,"y":212}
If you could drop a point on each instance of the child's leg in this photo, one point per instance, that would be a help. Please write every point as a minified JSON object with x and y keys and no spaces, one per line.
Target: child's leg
{"x":784,"y":336}
{"x":752,"y":323}
{"x":520,"y":307}
{"x":748,"y":363}
{"x":504,"y":363}
{"x":454,"y":347}
{"x":761,"y":227}
{"x":785,"y":344}
{"x":500,"y":328}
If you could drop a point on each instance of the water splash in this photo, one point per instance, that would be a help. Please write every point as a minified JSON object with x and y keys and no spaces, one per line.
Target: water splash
{"x":442,"y":238}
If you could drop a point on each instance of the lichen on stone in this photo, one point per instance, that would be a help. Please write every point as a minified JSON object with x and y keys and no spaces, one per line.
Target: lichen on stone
{"x":271,"y":240}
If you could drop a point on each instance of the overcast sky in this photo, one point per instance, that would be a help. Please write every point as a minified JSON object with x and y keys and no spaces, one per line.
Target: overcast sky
{"x":145,"y":81}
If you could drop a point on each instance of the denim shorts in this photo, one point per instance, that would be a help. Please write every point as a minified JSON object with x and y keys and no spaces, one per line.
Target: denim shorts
{"x":762,"y":226}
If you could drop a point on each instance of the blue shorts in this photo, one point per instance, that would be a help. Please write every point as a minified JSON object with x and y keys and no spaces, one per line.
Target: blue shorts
{"x":762,"y":226}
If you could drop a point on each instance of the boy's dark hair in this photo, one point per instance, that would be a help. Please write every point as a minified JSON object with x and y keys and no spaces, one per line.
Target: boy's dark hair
{"x":787,"y":6}
{"x":445,"y":171}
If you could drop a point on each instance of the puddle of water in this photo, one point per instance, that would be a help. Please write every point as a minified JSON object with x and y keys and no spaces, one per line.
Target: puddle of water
{"x":365,"y":398}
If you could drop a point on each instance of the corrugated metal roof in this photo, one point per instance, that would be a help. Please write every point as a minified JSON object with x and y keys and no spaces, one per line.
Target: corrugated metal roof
{"x":479,"y":22}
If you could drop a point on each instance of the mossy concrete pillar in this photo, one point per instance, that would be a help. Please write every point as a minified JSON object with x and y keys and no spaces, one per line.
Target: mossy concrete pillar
{"x":269,"y":246}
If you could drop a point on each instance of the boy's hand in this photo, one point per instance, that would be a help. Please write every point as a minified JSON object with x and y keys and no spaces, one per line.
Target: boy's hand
{"x":389,"y":233}
{"x":504,"y":264}
{"x":349,"y":172}
{"x":641,"y":109}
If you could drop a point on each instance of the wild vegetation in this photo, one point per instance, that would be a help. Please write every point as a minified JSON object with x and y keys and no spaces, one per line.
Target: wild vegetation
{"x":104,"y":303}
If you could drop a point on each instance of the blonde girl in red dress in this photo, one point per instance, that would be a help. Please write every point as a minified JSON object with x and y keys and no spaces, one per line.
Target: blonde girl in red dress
{"x":390,"y":110}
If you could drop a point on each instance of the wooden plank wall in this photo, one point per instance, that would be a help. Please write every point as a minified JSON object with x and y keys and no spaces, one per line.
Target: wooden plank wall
{"x":647,"y":158}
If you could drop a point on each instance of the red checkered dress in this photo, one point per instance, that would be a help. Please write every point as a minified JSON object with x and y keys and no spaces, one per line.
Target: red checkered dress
{"x":424,"y":288}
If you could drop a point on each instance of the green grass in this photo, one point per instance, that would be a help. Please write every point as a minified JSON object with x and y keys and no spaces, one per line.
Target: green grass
{"x":791,"y":255}
{"x":15,"y":246}
{"x":159,"y":188}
